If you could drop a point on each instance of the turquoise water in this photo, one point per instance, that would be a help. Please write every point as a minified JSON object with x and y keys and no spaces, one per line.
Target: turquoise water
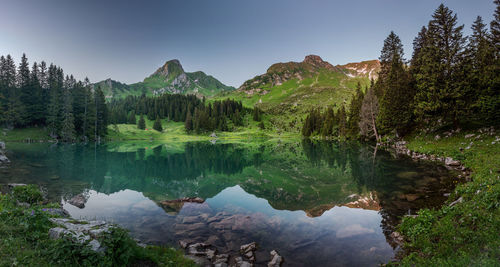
{"x":316,"y":203}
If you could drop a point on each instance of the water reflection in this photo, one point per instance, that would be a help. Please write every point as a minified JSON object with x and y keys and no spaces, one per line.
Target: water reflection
{"x":319,"y":203}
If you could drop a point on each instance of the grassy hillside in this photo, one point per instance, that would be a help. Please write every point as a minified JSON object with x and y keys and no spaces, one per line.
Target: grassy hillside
{"x":287,"y":91}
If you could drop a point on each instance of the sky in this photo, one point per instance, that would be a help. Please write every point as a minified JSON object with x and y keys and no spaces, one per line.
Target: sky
{"x":232,"y":40}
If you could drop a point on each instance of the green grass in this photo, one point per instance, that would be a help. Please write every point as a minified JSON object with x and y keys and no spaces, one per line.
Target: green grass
{"x":174,"y":131}
{"x":467,"y":233}
{"x":16,"y":135}
{"x":24,"y":241}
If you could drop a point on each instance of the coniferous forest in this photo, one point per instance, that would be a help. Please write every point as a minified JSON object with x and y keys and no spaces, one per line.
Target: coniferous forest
{"x":43,"y":96}
{"x":451,"y":80}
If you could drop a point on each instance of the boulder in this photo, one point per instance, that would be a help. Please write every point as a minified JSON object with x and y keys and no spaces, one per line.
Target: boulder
{"x":3,"y":158}
{"x":200,"y":261}
{"x":78,"y":201}
{"x":213,"y":135}
{"x":84,"y":232}
{"x":2,"y":145}
{"x":450,"y":162}
{"x":276,"y":259}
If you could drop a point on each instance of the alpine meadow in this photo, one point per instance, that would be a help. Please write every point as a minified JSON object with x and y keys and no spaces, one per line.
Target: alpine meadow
{"x":282,"y":133}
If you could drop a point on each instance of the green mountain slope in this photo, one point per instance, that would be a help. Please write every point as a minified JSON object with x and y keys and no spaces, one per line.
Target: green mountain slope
{"x":289,"y":90}
{"x":170,"y":78}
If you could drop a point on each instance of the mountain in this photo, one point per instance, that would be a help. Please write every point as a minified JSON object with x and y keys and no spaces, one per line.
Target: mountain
{"x":169,"y":78}
{"x":289,"y":90}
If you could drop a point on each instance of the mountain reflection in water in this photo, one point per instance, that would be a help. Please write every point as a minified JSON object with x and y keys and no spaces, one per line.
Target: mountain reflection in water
{"x":319,"y":203}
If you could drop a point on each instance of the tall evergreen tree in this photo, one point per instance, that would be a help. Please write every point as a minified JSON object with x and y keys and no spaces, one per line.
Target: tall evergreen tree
{"x":439,"y":95}
{"x":67,"y":127}
{"x":157,"y":125}
{"x":131,"y":118}
{"x":101,"y":113}
{"x":396,"y":104}
{"x":188,"y":124}
{"x":354,"y":110}
{"x":141,"y":124}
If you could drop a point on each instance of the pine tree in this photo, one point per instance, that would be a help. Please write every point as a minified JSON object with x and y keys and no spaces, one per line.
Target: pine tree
{"x":439,"y":95}
{"x":131,"y":118}
{"x":157,"y":125}
{"x":354,"y":110}
{"x":495,"y":29}
{"x":188,"y":124}
{"x":396,"y":104}
{"x":342,"y":121}
{"x":68,"y":126}
{"x":101,"y":113}
{"x":141,"y":124}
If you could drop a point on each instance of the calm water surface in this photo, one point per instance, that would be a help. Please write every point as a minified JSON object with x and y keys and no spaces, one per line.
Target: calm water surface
{"x":316,"y":203}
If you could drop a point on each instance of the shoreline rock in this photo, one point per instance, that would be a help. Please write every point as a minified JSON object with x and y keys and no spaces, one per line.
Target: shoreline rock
{"x":207,"y":255}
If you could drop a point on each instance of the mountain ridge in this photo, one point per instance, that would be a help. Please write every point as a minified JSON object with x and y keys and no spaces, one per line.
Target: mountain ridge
{"x":169,"y":78}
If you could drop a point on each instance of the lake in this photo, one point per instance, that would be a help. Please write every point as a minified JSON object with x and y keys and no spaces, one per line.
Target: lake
{"x":316,"y":203}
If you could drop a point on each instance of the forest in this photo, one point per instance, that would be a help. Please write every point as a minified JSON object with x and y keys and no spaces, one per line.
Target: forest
{"x":44,"y":97}
{"x":451,"y":80}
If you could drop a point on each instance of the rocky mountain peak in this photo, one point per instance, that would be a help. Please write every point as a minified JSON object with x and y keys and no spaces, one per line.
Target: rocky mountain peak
{"x":317,"y":62}
{"x":170,"y":67}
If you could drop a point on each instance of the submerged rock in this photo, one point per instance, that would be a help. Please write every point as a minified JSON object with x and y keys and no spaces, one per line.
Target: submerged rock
{"x":276,"y":259}
{"x":78,"y":201}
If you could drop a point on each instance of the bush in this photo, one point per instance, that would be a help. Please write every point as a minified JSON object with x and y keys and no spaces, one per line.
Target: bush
{"x":27,"y":193}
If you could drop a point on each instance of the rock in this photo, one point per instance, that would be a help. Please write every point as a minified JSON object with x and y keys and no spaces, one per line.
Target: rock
{"x":78,"y":201}
{"x":276,"y":259}
{"x":467,"y":136}
{"x":248,"y":248}
{"x":241,"y":263}
{"x":437,"y":137}
{"x":220,"y":264}
{"x":96,"y":246}
{"x":221,"y":258}
{"x":210,"y":253}
{"x":3,"y":158}
{"x":183,"y":244}
{"x":15,"y":185}
{"x":194,"y":249}
{"x":81,"y":231}
{"x":459,"y":200}
{"x":450,"y":162}
{"x":213,"y":135}
{"x":2,"y":145}
{"x":200,"y":261}
{"x":397,"y":238}
{"x":57,"y":212}
{"x":411,"y":197}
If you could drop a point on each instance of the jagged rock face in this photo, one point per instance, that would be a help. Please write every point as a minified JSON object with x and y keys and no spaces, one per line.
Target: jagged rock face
{"x":369,"y":69}
{"x":169,"y":78}
{"x":279,"y":73}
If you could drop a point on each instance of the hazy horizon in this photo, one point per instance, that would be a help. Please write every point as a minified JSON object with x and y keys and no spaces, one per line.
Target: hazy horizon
{"x":127,"y":41}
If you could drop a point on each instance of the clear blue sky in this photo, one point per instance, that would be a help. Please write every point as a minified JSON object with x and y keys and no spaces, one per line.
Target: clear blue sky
{"x":232,"y":40}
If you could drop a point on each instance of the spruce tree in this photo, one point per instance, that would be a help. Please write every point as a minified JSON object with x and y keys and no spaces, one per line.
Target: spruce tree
{"x":354,"y":110}
{"x":101,"y":113}
{"x":439,"y":94}
{"x":68,"y":126}
{"x":396,"y":104}
{"x":157,"y":125}
{"x":141,"y":124}
{"x":188,"y":124}
{"x":131,"y":118}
